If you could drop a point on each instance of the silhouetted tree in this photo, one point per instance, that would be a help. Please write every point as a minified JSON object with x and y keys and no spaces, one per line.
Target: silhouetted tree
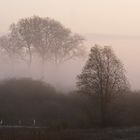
{"x":49,"y":39}
{"x":103,"y":76}
{"x":11,"y":47}
{"x":25,"y":31}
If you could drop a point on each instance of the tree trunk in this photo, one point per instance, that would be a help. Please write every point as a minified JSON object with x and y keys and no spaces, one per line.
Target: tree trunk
{"x":42,"y":68}
{"x":103,"y":109}
{"x":30,"y":56}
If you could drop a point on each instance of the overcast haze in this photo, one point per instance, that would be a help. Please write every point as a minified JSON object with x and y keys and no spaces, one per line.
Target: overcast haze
{"x":106,"y":22}
{"x":83,"y":16}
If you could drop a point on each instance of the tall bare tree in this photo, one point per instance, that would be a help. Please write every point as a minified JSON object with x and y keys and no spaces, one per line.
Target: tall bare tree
{"x":49,"y":38}
{"x":103,"y":76}
{"x":71,"y":47}
{"x":26,"y":33}
{"x":55,"y":42}
{"x":11,"y":46}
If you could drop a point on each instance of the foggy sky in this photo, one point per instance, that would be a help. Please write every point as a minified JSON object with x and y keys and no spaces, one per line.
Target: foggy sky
{"x":98,"y":16}
{"x":106,"y":22}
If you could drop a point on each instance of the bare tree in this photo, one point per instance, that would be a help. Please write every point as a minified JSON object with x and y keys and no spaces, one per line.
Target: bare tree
{"x":103,"y":77}
{"x":24,"y":31}
{"x":11,"y":46}
{"x":67,"y":48}
{"x":54,"y":41}
{"x":49,"y":38}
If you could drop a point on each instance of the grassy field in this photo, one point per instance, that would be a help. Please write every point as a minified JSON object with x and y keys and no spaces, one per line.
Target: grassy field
{"x":75,"y":134}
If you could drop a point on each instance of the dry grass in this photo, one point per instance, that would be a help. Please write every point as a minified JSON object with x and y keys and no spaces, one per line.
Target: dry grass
{"x":76,"y":134}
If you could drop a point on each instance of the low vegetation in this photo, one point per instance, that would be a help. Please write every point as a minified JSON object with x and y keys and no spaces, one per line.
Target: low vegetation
{"x":25,"y":100}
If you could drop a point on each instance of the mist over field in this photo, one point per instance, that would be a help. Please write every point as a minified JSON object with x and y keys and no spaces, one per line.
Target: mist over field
{"x":126,"y":48}
{"x":62,"y":79}
{"x":69,"y":70}
{"x":113,"y":23}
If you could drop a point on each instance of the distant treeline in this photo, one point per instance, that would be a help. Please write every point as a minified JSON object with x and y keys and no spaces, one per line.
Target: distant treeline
{"x":27,"y":100}
{"x":43,"y":37}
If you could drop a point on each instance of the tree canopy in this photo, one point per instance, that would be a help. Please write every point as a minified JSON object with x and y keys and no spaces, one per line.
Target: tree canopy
{"x":48,"y":38}
{"x":103,"y":76}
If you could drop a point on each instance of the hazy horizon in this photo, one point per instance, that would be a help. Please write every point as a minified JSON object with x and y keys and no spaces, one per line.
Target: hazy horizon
{"x":112,"y":23}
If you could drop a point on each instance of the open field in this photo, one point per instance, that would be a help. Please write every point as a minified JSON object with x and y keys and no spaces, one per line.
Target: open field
{"x":75,"y":134}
